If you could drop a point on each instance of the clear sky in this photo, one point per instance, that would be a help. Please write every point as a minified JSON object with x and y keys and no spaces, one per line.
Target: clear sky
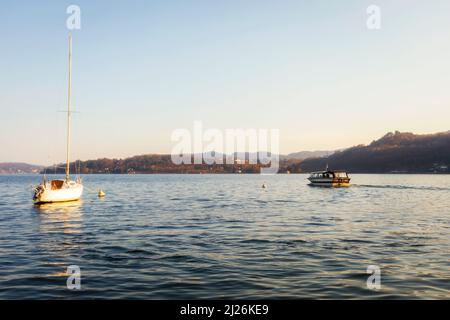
{"x":144,"y":68}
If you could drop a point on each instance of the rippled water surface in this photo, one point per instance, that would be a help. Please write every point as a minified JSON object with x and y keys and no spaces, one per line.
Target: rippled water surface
{"x":223,"y":236}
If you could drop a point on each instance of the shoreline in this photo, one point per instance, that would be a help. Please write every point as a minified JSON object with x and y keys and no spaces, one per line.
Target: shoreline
{"x":221,"y":173}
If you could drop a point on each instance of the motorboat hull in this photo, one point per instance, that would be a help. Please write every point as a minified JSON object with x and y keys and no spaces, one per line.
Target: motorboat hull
{"x":330,"y":182}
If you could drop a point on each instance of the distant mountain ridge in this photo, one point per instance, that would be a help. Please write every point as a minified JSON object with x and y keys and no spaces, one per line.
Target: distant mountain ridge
{"x":309,"y":154}
{"x":18,"y":167}
{"x":394,"y":152}
{"x":162,"y":163}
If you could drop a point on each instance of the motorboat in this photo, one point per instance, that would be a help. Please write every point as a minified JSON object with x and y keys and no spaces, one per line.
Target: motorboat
{"x":330,"y":178}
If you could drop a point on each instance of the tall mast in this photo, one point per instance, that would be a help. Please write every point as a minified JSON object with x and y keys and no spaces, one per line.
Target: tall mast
{"x":68,"y":108}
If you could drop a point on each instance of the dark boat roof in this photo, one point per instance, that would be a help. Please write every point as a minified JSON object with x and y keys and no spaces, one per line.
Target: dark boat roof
{"x":331,"y":171}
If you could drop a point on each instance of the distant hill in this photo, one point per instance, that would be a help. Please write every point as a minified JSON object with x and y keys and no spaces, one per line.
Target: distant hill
{"x":309,"y":154}
{"x":153,"y":163}
{"x":395,"y":152}
{"x":162,"y":163}
{"x":18,"y":167}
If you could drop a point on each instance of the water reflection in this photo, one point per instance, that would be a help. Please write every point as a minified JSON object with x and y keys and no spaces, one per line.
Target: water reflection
{"x":59,"y":226}
{"x":64,"y":217}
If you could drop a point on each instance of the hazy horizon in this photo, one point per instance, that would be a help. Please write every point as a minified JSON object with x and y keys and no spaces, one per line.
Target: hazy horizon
{"x":311,"y":69}
{"x":206,"y":151}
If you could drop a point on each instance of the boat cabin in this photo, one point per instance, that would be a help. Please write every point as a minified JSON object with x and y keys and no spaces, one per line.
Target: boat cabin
{"x":329,"y":178}
{"x":56,"y":184}
{"x":329,"y":174}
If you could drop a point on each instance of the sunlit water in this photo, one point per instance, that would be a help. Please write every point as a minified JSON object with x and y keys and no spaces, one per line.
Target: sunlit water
{"x":223,"y":236}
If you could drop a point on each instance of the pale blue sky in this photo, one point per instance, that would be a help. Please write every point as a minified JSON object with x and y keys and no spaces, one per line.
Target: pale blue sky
{"x":144,"y":68}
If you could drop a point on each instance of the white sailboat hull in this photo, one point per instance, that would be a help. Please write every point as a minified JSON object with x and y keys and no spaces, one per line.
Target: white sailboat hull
{"x":69,"y":192}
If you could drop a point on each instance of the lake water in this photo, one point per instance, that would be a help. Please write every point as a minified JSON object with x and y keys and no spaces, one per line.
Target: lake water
{"x":223,"y":236}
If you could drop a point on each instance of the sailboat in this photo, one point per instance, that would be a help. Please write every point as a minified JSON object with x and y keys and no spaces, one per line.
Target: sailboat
{"x":61,"y":190}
